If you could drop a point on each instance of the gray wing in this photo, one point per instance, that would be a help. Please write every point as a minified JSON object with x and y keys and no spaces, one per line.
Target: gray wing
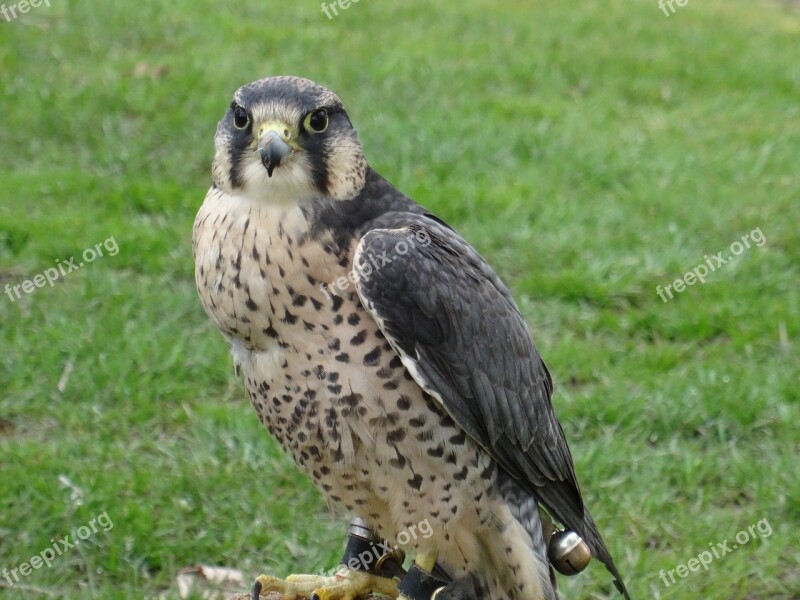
{"x":462,"y":337}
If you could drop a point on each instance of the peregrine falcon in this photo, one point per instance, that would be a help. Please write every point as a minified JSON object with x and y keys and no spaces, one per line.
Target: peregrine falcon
{"x":386,"y":357}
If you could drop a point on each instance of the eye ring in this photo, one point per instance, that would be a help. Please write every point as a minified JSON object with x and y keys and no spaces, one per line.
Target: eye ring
{"x":316,"y":121}
{"x":240,"y":117}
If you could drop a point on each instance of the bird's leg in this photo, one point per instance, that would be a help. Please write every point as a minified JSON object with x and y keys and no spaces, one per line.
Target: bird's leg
{"x":368,"y":566}
{"x":420,"y":583}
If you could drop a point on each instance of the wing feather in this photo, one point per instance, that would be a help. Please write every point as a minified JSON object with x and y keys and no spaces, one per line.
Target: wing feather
{"x":457,"y":328}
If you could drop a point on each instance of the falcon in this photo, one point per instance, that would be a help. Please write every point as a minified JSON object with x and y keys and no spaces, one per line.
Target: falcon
{"x":386,"y":357}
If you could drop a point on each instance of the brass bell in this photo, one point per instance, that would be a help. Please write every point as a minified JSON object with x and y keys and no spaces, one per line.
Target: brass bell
{"x":568,"y":553}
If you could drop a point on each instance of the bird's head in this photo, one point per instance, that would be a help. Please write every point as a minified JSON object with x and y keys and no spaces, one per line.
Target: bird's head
{"x":287,"y":139}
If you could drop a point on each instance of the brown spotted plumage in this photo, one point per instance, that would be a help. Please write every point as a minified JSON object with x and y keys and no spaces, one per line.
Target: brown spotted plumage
{"x":323,"y":279}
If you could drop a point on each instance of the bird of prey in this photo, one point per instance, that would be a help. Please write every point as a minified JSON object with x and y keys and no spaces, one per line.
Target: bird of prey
{"x":385,"y":356}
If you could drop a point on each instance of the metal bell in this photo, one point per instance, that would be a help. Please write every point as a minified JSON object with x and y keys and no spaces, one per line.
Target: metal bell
{"x":568,"y":553}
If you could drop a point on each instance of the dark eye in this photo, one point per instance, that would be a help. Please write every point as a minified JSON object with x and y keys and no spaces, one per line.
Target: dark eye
{"x":240,"y":117}
{"x":317,"y":121}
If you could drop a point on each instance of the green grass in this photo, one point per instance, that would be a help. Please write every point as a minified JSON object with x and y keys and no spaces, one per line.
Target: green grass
{"x":591,"y":150}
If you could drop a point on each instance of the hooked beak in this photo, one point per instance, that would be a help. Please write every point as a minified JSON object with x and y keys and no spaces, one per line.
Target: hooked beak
{"x":272,"y":148}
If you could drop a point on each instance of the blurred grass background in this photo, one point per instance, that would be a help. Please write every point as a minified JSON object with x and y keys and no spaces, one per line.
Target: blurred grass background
{"x":591,"y":150}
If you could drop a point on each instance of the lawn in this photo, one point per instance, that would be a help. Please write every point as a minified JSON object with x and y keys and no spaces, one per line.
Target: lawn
{"x":595,"y":152}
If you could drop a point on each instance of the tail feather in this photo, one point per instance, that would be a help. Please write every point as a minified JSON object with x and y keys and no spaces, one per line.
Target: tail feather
{"x":526,"y":505}
{"x":591,"y":535}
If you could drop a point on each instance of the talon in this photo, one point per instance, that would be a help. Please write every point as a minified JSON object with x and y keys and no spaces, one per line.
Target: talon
{"x":354,"y":584}
{"x":265,"y":584}
{"x":345,"y":585}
